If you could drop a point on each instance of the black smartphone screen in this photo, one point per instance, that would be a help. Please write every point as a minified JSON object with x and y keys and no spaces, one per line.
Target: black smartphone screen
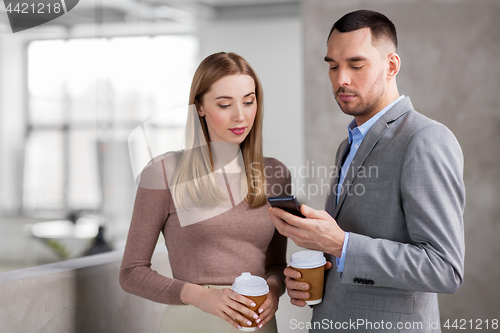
{"x":287,"y":203}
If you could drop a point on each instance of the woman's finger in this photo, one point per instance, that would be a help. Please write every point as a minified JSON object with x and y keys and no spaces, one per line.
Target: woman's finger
{"x":240,"y":298}
{"x":240,"y":303}
{"x":264,"y":315}
{"x":230,"y":320}
{"x":264,"y":321}
{"x":238,"y":317}
{"x":264,"y":306}
{"x":240,"y":308}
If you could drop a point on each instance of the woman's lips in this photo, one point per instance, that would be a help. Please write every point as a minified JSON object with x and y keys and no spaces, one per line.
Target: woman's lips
{"x":346,"y":97}
{"x":238,"y":130}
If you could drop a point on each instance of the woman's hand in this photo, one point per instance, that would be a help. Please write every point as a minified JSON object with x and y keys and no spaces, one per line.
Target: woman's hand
{"x":270,"y":305}
{"x":223,"y":303}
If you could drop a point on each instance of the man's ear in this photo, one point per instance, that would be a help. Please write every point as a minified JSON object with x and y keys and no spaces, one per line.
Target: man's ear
{"x":393,"y":65}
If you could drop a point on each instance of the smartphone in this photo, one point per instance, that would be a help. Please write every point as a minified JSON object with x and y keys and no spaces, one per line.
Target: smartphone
{"x":287,"y":203}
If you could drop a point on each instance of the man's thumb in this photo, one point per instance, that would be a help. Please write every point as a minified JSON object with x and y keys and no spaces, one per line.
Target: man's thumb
{"x":311,"y":212}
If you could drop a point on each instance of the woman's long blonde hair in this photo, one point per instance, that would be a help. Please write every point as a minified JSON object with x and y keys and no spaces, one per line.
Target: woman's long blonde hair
{"x":193,"y":175}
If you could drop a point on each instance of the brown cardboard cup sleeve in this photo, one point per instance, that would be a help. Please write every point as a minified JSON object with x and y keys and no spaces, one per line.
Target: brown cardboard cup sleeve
{"x":311,"y":265}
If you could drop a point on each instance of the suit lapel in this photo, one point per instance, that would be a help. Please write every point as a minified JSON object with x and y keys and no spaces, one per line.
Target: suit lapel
{"x":372,"y":137}
{"x":332,"y":197}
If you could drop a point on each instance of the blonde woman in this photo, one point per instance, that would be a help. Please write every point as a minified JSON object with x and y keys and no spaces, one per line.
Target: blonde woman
{"x":210,"y":203}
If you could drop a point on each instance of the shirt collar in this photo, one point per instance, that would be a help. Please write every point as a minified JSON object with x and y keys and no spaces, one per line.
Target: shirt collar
{"x":363,"y":129}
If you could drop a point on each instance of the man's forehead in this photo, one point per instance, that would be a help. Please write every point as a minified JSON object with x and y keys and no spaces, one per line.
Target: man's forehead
{"x":351,"y":38}
{"x":351,"y":44}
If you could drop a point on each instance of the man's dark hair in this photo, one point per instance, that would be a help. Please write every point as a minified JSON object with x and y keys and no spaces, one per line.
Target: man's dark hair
{"x":380,"y":26}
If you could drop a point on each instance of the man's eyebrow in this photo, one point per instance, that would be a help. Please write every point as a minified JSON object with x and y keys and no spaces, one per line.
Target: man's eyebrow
{"x":357,"y":58}
{"x":352,"y":59}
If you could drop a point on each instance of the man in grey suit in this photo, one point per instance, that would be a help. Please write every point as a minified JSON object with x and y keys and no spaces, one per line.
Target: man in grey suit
{"x":393,"y":221}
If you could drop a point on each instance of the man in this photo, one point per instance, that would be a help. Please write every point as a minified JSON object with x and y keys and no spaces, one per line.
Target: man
{"x":393,"y":221}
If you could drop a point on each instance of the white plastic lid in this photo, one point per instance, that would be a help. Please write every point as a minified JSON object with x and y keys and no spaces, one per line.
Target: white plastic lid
{"x":307,"y":259}
{"x":250,"y":285}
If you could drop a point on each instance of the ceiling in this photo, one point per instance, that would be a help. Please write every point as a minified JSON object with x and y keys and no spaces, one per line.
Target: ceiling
{"x":183,"y":11}
{"x":123,"y":15}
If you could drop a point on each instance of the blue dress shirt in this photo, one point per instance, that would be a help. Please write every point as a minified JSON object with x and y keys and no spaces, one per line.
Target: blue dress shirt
{"x":356,"y":136}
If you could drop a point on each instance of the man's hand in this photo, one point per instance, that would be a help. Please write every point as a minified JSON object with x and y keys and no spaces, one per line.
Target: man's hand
{"x":319,"y":231}
{"x":298,"y":290}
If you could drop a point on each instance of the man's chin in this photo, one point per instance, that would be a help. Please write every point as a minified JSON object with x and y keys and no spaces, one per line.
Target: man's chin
{"x":350,"y":111}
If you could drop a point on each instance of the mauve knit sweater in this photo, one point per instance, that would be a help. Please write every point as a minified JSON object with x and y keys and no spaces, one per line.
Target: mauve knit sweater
{"x":214,"y":251}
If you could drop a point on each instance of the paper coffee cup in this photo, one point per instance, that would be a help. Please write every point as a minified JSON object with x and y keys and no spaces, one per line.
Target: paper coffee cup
{"x":311,"y":265}
{"x":255,"y":288}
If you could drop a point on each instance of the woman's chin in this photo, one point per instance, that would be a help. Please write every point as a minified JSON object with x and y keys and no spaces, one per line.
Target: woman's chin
{"x":237,"y":140}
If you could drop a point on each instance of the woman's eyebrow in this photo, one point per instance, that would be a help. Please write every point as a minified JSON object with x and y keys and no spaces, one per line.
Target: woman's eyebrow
{"x":229,"y":97}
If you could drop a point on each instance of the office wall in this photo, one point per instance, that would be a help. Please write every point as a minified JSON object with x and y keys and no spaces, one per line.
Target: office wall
{"x":273,"y":47}
{"x":77,"y":296}
{"x":449,"y":52}
{"x":12,"y":117}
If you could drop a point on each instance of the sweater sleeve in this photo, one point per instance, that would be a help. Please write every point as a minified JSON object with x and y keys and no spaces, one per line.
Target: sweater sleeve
{"x":276,"y":252}
{"x":151,"y":210}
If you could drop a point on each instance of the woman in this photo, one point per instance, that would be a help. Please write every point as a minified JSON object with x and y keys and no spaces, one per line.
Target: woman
{"x":210,"y":202}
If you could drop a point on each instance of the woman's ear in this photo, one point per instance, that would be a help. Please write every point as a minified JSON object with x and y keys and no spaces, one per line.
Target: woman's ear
{"x":199,"y":109}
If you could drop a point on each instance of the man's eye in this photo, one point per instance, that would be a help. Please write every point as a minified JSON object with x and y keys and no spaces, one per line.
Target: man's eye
{"x":357,"y":67}
{"x":334,"y":68}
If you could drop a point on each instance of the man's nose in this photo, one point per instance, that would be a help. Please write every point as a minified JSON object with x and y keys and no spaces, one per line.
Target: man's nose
{"x":343,"y":78}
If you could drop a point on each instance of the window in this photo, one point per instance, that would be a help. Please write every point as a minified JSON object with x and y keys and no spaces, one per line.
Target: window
{"x":87,"y":93}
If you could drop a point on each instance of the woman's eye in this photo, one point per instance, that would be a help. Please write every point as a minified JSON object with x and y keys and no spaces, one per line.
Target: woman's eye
{"x":224,"y":106}
{"x":248,"y":103}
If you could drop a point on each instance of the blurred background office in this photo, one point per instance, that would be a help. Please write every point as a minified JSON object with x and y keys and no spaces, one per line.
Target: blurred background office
{"x":73,"y":90}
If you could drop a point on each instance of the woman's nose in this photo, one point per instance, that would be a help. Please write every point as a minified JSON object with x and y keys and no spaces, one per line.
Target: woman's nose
{"x":237,"y":114}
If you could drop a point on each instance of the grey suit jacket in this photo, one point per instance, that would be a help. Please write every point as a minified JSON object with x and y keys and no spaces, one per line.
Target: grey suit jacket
{"x":402,"y":202}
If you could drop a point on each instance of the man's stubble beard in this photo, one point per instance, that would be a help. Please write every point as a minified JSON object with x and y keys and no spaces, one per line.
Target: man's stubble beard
{"x":369,"y":101}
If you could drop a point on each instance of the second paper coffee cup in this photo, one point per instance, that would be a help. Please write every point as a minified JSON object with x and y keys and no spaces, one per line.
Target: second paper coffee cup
{"x":311,"y":265}
{"x":255,"y":288}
